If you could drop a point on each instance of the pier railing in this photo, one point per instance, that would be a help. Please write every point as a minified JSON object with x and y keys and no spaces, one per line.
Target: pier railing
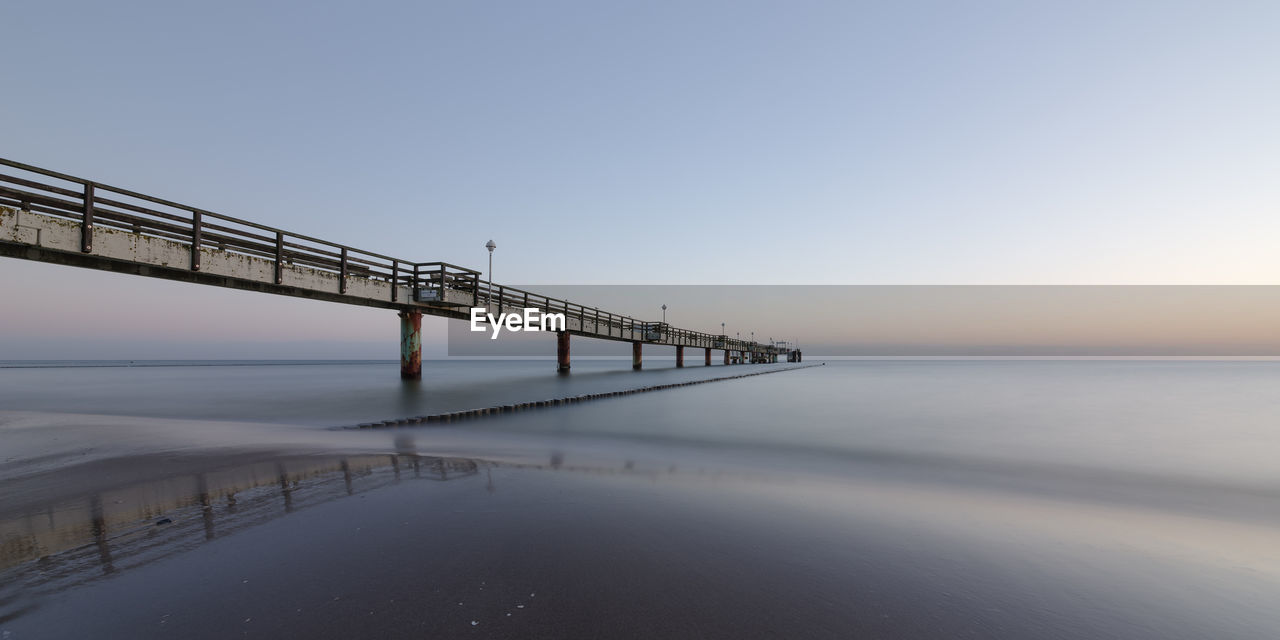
{"x":94,"y":204}
{"x":606,"y":323}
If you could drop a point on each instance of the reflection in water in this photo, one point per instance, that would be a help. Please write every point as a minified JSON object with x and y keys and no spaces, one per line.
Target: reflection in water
{"x":99,"y":529}
{"x":285,"y":490}
{"x":59,"y":546}
{"x":346,"y":476}
{"x":206,"y":508}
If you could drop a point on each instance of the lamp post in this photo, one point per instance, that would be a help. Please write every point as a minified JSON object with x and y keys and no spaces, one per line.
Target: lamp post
{"x":490,"y":245}
{"x":664,"y":314}
{"x":721,"y":328}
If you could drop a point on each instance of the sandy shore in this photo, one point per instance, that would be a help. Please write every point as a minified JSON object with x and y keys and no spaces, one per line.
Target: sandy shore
{"x":405,"y":545}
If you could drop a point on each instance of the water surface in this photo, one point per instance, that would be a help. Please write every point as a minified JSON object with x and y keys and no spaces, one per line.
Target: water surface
{"x":1067,"y":499}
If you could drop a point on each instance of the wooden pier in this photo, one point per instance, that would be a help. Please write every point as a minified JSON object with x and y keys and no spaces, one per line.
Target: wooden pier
{"x":53,"y":217}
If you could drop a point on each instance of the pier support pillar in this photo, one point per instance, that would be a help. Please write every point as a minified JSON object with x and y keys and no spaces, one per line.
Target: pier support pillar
{"x":726,"y":356}
{"x":562,"y":351}
{"x":411,"y":345}
{"x":679,"y":355}
{"x":635,"y":356}
{"x":706,"y":357}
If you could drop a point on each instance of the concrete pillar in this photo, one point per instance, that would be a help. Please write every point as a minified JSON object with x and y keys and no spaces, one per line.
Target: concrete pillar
{"x":679,"y":355}
{"x":635,"y":356}
{"x":707,"y":357}
{"x":562,"y":351}
{"x":411,"y":345}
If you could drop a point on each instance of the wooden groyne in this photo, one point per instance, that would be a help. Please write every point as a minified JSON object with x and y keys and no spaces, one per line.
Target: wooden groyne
{"x":496,"y":410}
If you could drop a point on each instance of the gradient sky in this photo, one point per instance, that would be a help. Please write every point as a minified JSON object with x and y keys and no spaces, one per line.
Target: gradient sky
{"x":654,"y":142}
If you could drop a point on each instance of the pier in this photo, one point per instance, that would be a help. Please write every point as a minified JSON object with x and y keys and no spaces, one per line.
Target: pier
{"x":61,"y":219}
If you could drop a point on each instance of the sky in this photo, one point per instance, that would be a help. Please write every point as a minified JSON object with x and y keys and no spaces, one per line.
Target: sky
{"x":732,"y":143}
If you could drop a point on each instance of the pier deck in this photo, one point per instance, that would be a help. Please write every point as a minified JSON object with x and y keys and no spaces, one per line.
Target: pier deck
{"x":53,"y":217}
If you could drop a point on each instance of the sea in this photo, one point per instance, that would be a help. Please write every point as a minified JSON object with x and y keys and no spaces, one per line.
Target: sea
{"x":1022,"y":498}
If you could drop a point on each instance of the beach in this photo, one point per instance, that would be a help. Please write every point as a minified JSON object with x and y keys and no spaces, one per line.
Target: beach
{"x":1054,"y":501}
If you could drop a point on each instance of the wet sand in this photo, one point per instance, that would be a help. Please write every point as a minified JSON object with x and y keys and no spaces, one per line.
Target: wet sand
{"x":934,"y":500}
{"x":416,"y":546}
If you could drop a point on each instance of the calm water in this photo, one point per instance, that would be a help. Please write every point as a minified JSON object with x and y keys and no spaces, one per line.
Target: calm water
{"x":1006,"y":498}
{"x":1198,"y":421}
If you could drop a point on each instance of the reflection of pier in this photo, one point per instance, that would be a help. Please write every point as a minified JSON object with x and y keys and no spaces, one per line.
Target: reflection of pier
{"x":48,"y":550}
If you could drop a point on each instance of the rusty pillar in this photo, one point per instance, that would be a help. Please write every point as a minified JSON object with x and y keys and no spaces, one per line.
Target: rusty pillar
{"x":636,"y":362}
{"x":562,"y":351}
{"x":679,"y":355}
{"x":706,"y":357}
{"x":411,"y":345}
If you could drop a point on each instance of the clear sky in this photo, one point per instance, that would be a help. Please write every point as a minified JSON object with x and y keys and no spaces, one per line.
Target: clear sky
{"x":738,"y":142}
